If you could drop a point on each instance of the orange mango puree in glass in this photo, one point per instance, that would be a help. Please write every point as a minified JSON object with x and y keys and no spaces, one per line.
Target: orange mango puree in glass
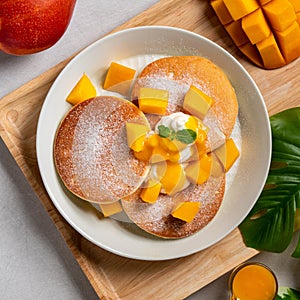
{"x":253,"y":282}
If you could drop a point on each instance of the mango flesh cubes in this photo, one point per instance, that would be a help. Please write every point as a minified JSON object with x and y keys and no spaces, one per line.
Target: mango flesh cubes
{"x":198,"y":171}
{"x":109,"y":209}
{"x":153,"y":101}
{"x":118,"y":78}
{"x":136,"y":135}
{"x":227,"y":154}
{"x":265,"y":31}
{"x":196,"y":102}
{"x":172,"y":177}
{"x":83,"y":90}
{"x":151,"y":192}
{"x":186,"y":211}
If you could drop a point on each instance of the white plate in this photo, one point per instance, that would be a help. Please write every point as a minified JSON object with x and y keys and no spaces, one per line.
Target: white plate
{"x":136,"y":46}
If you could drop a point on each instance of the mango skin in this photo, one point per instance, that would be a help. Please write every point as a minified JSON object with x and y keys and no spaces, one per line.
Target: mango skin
{"x":30,"y":26}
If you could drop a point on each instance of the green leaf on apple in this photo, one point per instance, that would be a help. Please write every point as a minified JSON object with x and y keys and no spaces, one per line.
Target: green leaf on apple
{"x":275,"y":217}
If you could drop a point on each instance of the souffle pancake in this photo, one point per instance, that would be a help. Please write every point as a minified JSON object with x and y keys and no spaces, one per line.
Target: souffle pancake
{"x":177,"y":74}
{"x":160,"y":154}
{"x":91,"y":153}
{"x":156,"y":218}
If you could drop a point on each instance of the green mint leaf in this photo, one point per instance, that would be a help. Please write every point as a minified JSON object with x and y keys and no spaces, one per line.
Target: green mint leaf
{"x":186,"y":136}
{"x":164,"y":131}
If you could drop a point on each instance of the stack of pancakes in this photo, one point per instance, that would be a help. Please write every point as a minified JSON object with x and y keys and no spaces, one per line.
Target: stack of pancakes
{"x":95,"y":163}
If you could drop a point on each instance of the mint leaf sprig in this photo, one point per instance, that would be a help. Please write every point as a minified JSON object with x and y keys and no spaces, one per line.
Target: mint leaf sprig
{"x":186,"y":136}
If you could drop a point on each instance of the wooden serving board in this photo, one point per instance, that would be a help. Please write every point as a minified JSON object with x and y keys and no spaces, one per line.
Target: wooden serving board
{"x":112,"y":276}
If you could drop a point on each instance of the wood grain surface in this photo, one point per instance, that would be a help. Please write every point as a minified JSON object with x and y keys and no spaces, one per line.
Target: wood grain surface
{"x":112,"y":276}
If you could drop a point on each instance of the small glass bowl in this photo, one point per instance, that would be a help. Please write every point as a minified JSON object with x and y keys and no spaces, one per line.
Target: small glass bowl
{"x":235,"y":271}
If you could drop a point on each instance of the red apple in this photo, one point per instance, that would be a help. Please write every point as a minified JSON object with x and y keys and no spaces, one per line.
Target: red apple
{"x":30,"y":26}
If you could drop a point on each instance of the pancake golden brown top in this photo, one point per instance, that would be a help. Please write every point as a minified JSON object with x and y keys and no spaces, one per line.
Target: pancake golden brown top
{"x":91,"y":153}
{"x":156,"y":218}
{"x":177,"y":73}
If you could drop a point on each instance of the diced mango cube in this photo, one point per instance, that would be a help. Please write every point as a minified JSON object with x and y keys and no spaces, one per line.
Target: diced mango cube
{"x":196,"y":102}
{"x":198,"y":171}
{"x":172,"y":177}
{"x":270,"y":53}
{"x":160,"y":154}
{"x":280,"y":14}
{"x":153,"y":101}
{"x":236,"y":32}
{"x":227,"y":153}
{"x":186,"y":211}
{"x":289,"y":42}
{"x":136,"y":135}
{"x":217,"y":168}
{"x":263,"y":2}
{"x":256,"y":26}
{"x":296,"y":5}
{"x":221,"y":11}
{"x":119,"y":78}
{"x":239,"y":9}
{"x":109,"y":209}
{"x":150,"y":193}
{"x":173,"y":146}
{"x":143,"y":155}
{"x":83,"y":90}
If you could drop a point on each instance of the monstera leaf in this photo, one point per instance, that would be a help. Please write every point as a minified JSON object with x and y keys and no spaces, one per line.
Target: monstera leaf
{"x":285,"y":293}
{"x":276,"y":215}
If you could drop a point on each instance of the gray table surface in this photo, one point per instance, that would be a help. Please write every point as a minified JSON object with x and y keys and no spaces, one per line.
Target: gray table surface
{"x":35,"y":262}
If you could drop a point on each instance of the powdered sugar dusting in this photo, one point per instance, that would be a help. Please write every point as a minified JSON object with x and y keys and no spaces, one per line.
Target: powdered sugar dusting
{"x":104,"y":168}
{"x":156,"y":219}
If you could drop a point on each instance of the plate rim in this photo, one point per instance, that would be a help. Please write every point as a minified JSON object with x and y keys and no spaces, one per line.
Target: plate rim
{"x":42,"y":113}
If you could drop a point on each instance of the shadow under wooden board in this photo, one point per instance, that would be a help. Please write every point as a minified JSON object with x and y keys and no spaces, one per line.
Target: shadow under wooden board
{"x":116,"y":277}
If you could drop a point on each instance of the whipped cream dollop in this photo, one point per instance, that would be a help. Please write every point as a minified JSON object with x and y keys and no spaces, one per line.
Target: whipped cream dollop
{"x":176,"y":121}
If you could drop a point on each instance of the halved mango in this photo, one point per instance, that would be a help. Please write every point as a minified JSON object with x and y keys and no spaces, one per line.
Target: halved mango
{"x":263,"y":31}
{"x":186,"y":211}
{"x":83,"y":90}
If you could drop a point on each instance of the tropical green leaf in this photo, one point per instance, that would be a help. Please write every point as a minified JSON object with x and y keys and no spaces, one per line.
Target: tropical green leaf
{"x":285,"y":293}
{"x":271,"y":223}
{"x":296,"y":252}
